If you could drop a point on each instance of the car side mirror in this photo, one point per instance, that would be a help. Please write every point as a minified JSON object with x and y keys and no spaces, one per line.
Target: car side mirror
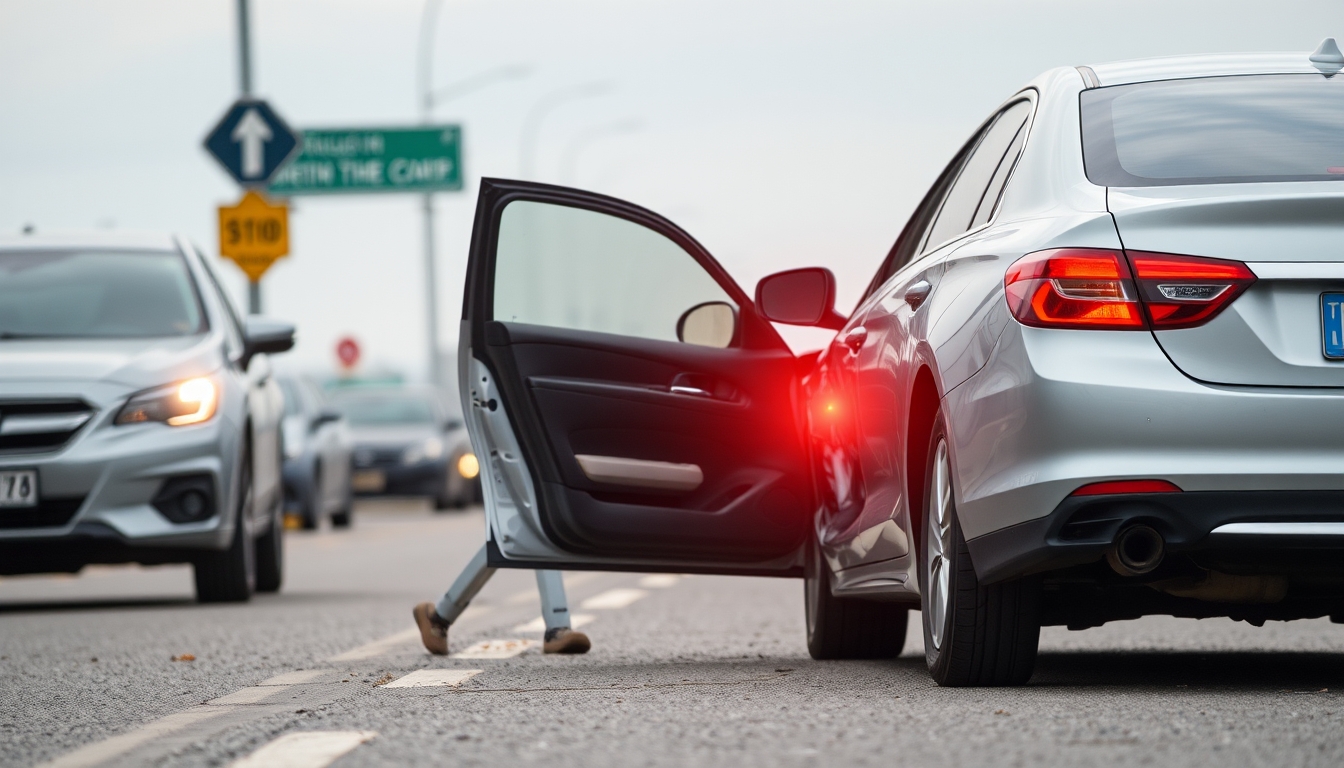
{"x":712,"y":324}
{"x":324,"y":416}
{"x":265,"y":336}
{"x":799,"y":297}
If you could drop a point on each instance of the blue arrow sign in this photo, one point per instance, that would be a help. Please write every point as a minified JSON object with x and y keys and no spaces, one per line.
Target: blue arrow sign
{"x":251,"y":142}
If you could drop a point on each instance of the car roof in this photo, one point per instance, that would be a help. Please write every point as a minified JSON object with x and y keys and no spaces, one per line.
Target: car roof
{"x":118,"y":239}
{"x":1210,"y":65}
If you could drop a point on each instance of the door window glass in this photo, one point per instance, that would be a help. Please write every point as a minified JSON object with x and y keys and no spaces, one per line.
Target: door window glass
{"x":964,"y":197}
{"x":990,"y":201}
{"x":573,"y":268}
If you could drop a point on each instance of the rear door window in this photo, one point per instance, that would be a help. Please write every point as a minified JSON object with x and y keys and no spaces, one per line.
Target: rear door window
{"x":1215,"y":130}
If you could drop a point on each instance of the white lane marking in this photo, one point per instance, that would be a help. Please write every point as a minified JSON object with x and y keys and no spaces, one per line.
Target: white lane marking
{"x":660,"y":580}
{"x":612,"y":599}
{"x":495,"y":649}
{"x":248,"y":695}
{"x":107,"y":749}
{"x":297,"y":677}
{"x":305,"y":749}
{"x":392,"y":642}
{"x":539,"y":624}
{"x":429,"y":678}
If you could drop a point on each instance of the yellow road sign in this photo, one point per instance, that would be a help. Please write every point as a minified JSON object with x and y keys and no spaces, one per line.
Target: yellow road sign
{"x":254,"y":233}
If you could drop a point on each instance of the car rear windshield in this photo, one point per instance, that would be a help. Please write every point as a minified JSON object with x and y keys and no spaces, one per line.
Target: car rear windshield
{"x":96,"y":294}
{"x":1215,"y":130}
{"x":389,"y":410}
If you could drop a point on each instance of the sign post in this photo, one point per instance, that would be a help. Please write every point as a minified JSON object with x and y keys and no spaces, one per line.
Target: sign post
{"x":253,"y":233}
{"x":363,"y":160}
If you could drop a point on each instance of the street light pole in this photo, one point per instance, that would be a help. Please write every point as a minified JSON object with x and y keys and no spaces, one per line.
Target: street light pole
{"x":532,"y":123}
{"x":425,"y":72}
{"x":245,"y":90}
{"x":569,"y":160}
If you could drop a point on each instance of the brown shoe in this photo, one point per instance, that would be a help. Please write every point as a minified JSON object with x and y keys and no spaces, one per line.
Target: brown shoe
{"x":433,"y":630}
{"x":565,"y":640}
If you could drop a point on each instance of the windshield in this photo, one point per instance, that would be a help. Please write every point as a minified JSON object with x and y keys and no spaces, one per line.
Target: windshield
{"x":96,"y":294}
{"x":1215,"y":130}
{"x":387,"y":410}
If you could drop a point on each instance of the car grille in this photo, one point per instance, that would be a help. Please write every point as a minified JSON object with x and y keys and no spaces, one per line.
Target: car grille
{"x":377,"y":457}
{"x":36,"y":426}
{"x":49,"y":513}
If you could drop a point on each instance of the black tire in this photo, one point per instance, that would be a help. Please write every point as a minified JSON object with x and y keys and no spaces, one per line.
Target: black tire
{"x":845,"y":628}
{"x":443,"y":503}
{"x":271,"y":554}
{"x":986,"y":635}
{"x":310,"y":513}
{"x":341,"y":518}
{"x":230,"y":576}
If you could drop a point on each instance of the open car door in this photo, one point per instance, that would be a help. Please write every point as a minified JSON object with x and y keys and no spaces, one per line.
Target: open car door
{"x":630,"y":408}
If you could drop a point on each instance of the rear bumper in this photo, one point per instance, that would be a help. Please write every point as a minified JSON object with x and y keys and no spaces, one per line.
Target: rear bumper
{"x":1212,"y":527}
{"x":409,"y":480}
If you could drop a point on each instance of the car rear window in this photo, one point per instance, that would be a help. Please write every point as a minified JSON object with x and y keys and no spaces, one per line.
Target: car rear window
{"x":96,"y":294}
{"x":1215,"y":130}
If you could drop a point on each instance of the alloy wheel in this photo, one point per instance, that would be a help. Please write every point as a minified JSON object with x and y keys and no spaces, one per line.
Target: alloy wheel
{"x":938,"y":565}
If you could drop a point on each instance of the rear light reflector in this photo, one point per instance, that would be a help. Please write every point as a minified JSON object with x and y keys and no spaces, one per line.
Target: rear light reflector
{"x":1185,"y":291}
{"x":1086,"y":288}
{"x":1126,"y":486}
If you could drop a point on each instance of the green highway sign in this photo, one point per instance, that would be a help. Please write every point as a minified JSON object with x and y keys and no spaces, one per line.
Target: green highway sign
{"x":362,"y":160}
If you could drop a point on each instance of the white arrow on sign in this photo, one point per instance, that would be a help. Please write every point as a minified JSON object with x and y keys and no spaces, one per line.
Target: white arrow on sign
{"x":253,"y":133}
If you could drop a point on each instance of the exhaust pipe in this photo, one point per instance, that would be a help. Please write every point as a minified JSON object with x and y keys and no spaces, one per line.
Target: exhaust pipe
{"x":1138,"y":549}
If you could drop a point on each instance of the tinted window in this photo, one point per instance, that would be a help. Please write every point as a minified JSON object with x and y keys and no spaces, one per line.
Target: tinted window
{"x":574,"y":268}
{"x":990,"y":200}
{"x":387,"y":410}
{"x":963,"y":199}
{"x":93,"y":294}
{"x":1215,"y":130}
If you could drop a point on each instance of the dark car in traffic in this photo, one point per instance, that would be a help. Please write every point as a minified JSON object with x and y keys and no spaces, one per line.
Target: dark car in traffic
{"x":407,"y":442}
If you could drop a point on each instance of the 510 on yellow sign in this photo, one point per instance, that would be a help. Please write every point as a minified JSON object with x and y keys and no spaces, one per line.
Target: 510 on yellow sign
{"x":254,"y":233}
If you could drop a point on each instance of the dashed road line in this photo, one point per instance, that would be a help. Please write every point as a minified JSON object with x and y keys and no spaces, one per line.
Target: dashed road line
{"x":297,"y":677}
{"x":107,"y":749}
{"x":495,"y":649}
{"x":430,"y":678}
{"x":660,"y":580}
{"x":539,"y":624}
{"x":305,"y":749}
{"x":391,"y":642}
{"x":613,"y":599}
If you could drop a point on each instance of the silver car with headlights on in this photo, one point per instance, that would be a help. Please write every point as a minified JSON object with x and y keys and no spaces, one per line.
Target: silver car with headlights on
{"x":139,"y":421}
{"x":1099,"y":375}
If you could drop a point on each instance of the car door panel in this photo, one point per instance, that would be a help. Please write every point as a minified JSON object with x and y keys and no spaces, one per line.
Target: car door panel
{"x":649,"y":407}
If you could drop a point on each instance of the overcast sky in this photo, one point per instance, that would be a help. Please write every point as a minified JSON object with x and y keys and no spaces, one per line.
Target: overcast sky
{"x":779,"y":133}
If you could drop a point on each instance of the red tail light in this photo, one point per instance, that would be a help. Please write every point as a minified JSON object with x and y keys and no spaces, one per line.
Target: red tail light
{"x":1126,"y":486}
{"x":1093,"y":288}
{"x":1087,"y":288}
{"x":1185,"y":291}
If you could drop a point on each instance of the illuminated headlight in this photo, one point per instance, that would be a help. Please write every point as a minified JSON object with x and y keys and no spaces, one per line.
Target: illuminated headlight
{"x":187,"y":402}
{"x":467,"y":465}
{"x":429,"y":450}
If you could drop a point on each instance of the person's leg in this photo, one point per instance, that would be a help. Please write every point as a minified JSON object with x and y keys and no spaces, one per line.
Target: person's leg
{"x":434,"y":620}
{"x":559,"y":637}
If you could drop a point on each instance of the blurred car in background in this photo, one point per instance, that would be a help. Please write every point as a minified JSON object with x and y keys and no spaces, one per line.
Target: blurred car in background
{"x":139,"y":420}
{"x":318,"y":447}
{"x":408,"y":443}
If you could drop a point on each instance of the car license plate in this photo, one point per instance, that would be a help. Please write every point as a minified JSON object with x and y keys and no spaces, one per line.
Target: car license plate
{"x":18,"y":488}
{"x":368,"y":481}
{"x":1332,"y":325}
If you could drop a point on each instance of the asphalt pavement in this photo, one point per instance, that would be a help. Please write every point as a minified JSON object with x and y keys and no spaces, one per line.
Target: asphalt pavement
{"x":693,"y":670}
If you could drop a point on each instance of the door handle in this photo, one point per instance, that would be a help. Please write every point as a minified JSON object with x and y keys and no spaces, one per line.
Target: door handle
{"x":678,"y":389}
{"x":917,"y":293}
{"x":855,"y":338}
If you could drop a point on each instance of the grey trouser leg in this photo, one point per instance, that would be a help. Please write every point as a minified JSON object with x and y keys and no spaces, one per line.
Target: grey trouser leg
{"x":468,"y":583}
{"x":554,"y":606}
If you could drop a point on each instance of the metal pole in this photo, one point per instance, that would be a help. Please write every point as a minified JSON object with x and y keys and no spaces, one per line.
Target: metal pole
{"x":527,"y":159}
{"x":245,"y":89}
{"x":425,"y":72}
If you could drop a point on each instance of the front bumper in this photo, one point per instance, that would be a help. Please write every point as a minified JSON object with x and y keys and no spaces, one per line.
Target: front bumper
{"x":97,"y":496}
{"x":1055,"y":410}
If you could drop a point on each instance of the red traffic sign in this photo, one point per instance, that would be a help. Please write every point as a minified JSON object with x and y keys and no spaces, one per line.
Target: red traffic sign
{"x":347,"y":349}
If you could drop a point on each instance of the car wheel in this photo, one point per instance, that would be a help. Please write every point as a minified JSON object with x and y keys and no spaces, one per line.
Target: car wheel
{"x":230,"y":576}
{"x":845,"y":628}
{"x":973,"y":634}
{"x":312,"y":508}
{"x":341,"y":517}
{"x":271,"y":554}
